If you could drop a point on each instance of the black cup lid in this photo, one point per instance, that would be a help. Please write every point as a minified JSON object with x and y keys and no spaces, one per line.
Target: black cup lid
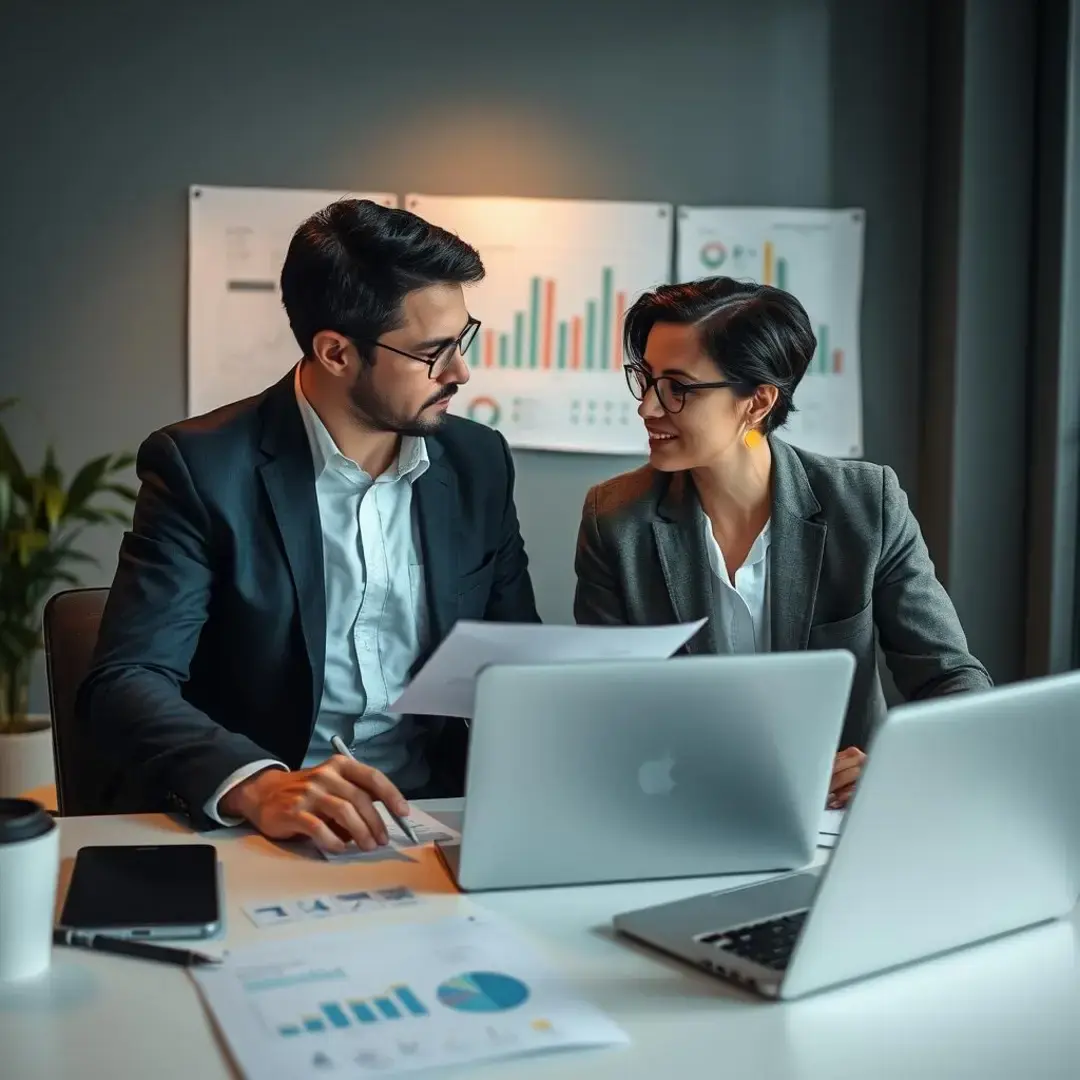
{"x":22,"y":819}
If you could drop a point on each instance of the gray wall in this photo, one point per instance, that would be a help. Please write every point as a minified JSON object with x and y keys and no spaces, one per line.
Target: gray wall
{"x":979,"y":363}
{"x":1053,"y":612}
{"x":118,"y":107}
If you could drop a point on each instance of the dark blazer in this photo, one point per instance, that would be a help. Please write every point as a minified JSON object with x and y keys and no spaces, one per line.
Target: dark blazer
{"x":848,"y":569}
{"x":212,"y":645}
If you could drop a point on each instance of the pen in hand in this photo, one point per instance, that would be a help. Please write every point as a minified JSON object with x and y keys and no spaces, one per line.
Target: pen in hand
{"x":338,"y":743}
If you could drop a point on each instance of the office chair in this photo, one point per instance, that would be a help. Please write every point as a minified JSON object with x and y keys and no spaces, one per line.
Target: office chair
{"x":70,"y":624}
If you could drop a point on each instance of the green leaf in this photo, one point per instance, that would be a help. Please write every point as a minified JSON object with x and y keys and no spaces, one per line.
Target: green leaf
{"x":28,"y":542}
{"x":71,"y":555}
{"x":120,"y":462}
{"x":87,"y":483}
{"x":38,"y":517}
{"x":9,"y":461}
{"x":123,"y":490}
{"x":54,"y":500}
{"x":18,"y":640}
{"x":40,"y":523}
{"x":50,"y":471}
{"x":87,"y":514}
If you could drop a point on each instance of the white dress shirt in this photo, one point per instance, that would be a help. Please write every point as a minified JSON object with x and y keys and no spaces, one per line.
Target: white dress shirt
{"x":741,"y":607}
{"x":376,"y":611}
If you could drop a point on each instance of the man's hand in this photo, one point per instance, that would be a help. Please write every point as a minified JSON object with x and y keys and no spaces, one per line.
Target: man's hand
{"x":332,"y":803}
{"x":846,"y":769}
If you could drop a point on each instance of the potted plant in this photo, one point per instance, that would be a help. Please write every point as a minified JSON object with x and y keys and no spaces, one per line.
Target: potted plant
{"x":40,"y":521}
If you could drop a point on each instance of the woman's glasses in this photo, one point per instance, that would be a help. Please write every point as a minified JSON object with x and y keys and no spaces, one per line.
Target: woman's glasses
{"x":670,"y":392}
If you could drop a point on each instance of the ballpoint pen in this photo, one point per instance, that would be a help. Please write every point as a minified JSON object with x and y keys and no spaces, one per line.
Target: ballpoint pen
{"x":338,"y":743}
{"x":139,"y":950}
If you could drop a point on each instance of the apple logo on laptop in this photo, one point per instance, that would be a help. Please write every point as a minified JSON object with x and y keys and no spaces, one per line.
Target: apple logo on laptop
{"x":654,"y":777}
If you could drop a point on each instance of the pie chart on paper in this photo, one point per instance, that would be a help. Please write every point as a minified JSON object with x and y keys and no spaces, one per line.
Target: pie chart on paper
{"x":482,"y":992}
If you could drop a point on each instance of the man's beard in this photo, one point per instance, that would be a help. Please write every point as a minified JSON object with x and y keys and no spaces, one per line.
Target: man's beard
{"x":376,"y":414}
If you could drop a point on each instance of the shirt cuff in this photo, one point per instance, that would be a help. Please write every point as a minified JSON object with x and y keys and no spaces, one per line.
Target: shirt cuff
{"x":238,"y":777}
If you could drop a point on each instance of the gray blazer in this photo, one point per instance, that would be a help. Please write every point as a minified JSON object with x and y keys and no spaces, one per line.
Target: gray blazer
{"x":848,"y":568}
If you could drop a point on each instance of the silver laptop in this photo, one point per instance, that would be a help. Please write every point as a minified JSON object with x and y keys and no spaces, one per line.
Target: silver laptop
{"x":965,"y":826}
{"x":612,"y":771}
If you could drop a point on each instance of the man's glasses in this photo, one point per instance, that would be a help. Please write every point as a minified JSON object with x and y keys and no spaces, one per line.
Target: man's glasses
{"x":439,"y":360}
{"x":670,"y":392}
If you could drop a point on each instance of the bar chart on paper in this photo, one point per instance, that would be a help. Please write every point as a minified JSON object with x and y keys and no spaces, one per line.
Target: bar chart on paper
{"x":450,"y":992}
{"x":586,"y":341}
{"x":303,"y":1003}
{"x":546,"y":366}
{"x":396,"y":1003}
{"x":816,"y":255}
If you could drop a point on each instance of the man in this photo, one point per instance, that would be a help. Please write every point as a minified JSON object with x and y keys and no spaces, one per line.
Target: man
{"x":295,"y":557}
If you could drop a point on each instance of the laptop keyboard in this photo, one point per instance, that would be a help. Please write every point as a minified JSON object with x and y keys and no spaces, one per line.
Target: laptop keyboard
{"x":767,"y":943}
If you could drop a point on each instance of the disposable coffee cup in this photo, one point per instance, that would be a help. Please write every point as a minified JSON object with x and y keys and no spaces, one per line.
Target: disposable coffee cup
{"x":29,"y":868}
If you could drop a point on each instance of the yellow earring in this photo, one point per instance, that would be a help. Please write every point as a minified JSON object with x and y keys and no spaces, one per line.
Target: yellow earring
{"x":752,"y":439}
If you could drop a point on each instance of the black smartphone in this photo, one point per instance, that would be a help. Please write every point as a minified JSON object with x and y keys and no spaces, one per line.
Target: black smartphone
{"x":145,"y":891}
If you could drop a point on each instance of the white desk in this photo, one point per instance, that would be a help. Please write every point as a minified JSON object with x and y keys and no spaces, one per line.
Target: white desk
{"x":1009,"y":1010}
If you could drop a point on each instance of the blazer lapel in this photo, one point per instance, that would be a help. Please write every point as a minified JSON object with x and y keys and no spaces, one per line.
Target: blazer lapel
{"x":795,"y":552}
{"x":436,"y":505}
{"x":680,"y":544}
{"x":289,"y":479}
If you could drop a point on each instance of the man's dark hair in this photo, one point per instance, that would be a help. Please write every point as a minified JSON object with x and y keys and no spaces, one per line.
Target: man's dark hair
{"x":755,"y":334}
{"x":349,"y":267}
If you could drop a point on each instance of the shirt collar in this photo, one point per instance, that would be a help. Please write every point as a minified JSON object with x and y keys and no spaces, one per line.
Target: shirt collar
{"x":758,"y":550}
{"x":760,"y":547}
{"x":412,"y":459}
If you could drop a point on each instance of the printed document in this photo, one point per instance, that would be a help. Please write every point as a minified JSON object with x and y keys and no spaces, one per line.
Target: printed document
{"x":426,"y":829}
{"x":457,"y":991}
{"x":446,"y":685}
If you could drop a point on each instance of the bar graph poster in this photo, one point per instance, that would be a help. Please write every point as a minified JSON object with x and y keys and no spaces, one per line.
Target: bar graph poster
{"x":546,"y":367}
{"x":816,"y":255}
{"x":239,"y":341}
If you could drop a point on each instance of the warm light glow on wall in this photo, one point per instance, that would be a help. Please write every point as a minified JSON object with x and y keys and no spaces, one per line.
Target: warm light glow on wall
{"x":481,"y":149}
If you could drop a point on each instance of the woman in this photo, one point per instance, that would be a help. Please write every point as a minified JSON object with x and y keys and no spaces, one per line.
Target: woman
{"x":782,"y":549}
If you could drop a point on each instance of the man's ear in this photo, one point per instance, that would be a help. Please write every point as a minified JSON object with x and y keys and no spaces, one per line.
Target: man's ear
{"x":333,"y":351}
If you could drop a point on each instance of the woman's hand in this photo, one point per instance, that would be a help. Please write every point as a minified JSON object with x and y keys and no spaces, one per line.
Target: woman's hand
{"x":846,"y":769}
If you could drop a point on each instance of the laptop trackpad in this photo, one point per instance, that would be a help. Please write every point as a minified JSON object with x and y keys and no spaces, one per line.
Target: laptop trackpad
{"x":792,"y":892}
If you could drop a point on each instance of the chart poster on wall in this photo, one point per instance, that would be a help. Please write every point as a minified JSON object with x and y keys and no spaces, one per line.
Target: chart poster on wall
{"x":239,"y":341}
{"x":817,"y":255}
{"x":546,"y":366}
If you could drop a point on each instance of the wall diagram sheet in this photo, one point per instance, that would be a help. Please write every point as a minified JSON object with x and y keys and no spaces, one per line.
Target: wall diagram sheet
{"x":817,"y":255}
{"x":546,"y":367}
{"x":239,"y":341}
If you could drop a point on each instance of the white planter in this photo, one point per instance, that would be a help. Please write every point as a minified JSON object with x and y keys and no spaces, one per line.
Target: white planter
{"x":26,"y":759}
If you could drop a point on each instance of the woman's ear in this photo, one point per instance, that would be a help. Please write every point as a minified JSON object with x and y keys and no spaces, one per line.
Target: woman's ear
{"x":762,"y":402}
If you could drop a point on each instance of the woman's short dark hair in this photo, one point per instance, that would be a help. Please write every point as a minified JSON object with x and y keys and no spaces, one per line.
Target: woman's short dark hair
{"x":349,"y":267}
{"x":755,"y":334}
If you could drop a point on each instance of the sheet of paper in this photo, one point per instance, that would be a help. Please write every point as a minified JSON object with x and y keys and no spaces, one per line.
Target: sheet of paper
{"x":310,"y":908}
{"x":446,"y":684}
{"x":829,"y":827}
{"x":546,"y":369}
{"x":427,"y":829}
{"x":455,"y":991}
{"x":239,"y":340}
{"x":818,"y":256}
